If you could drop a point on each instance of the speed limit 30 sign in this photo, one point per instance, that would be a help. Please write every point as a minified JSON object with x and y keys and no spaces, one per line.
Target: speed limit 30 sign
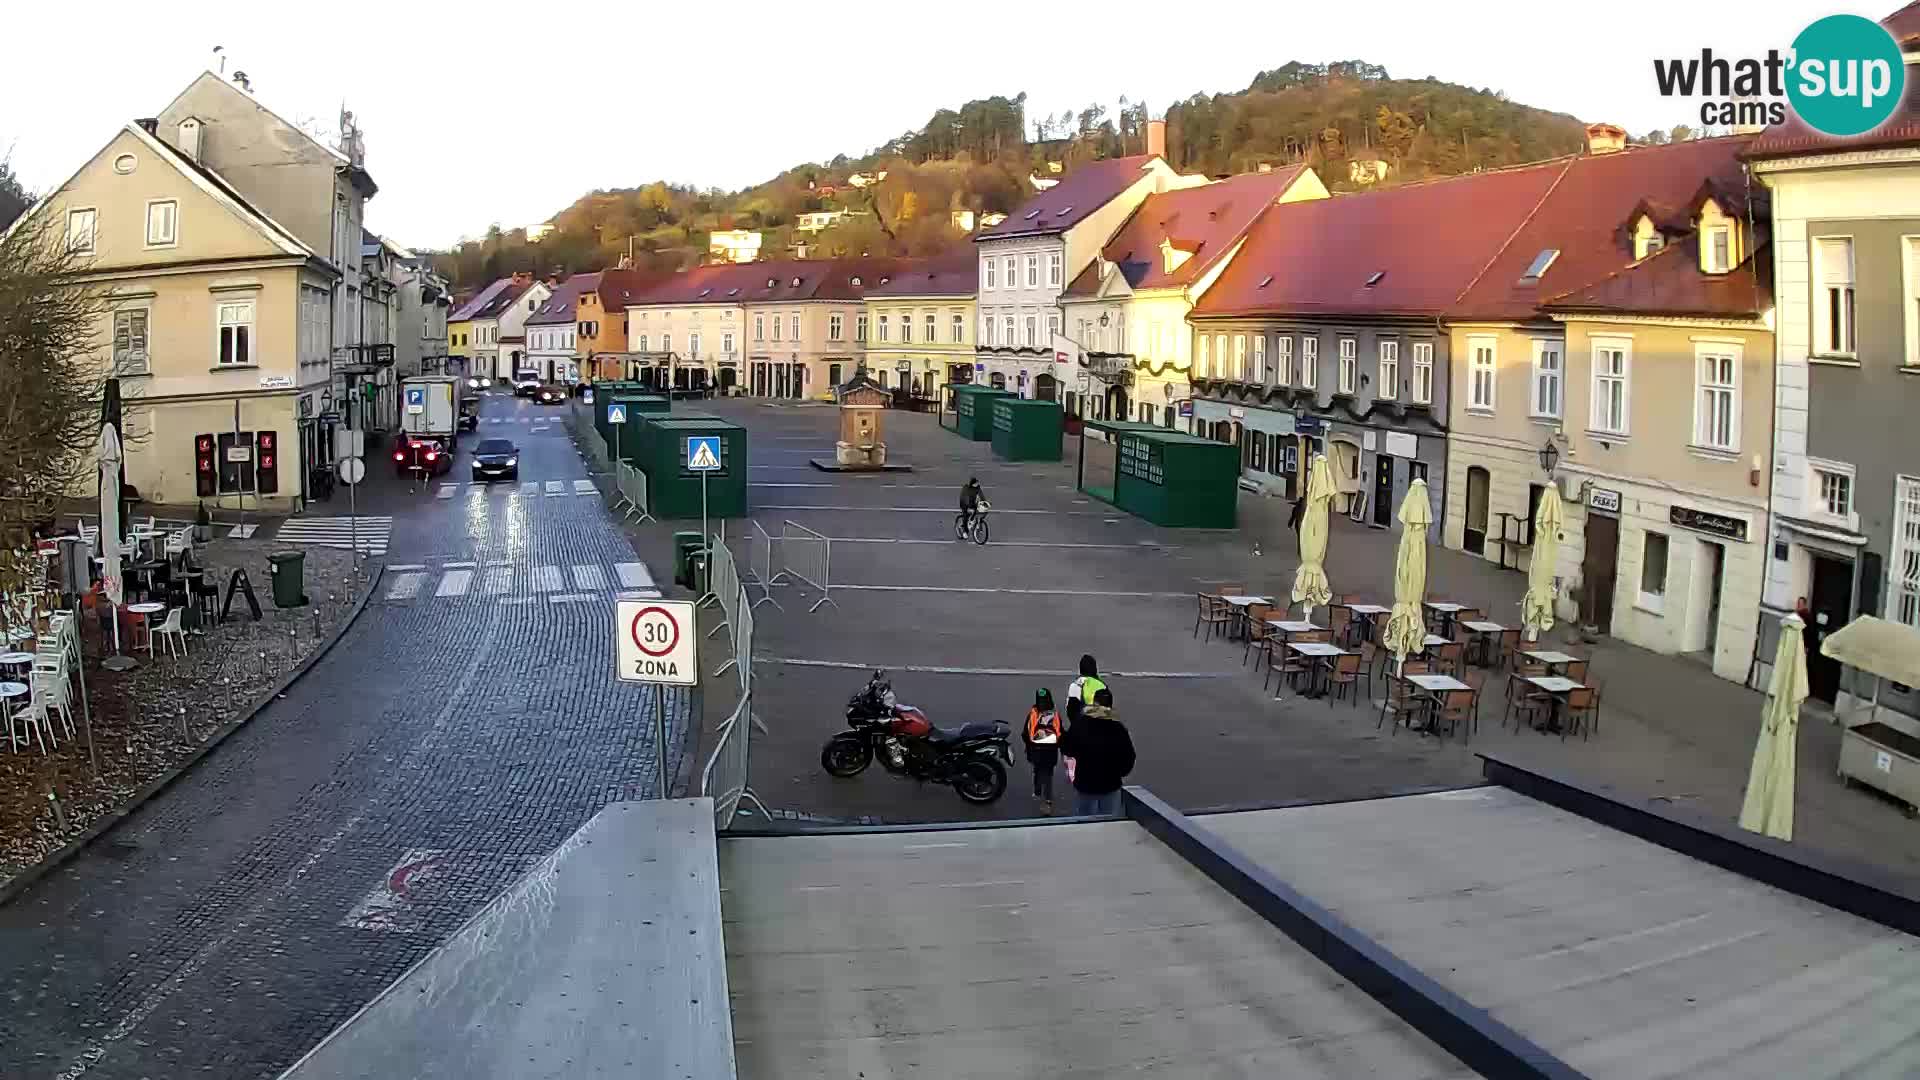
{"x":655,"y":641}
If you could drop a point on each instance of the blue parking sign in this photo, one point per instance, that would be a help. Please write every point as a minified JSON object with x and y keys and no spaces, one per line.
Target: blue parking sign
{"x":703,"y":453}
{"x":616,"y":413}
{"x":416,"y":399}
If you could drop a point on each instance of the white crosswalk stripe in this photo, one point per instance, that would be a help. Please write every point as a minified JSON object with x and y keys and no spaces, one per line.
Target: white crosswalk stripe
{"x":576,"y":583}
{"x":446,"y":491}
{"x":588,"y":578}
{"x":555,"y":487}
{"x":369,"y":534}
{"x":406,"y":586}
{"x":633,"y":575}
{"x":585,"y":487}
{"x":454,"y":583}
{"x":532,"y":487}
{"x":547,"y":579}
{"x":499,"y":581}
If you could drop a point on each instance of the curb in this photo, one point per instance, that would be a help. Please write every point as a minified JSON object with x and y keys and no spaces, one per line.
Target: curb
{"x":20,"y":882}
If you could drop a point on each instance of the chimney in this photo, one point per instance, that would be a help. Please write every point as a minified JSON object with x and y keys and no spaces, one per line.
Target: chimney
{"x":1605,"y":139}
{"x":190,"y":138}
{"x":1157,"y":138}
{"x":1266,"y":166}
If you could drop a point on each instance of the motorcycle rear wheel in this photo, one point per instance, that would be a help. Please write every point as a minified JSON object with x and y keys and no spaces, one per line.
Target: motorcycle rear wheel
{"x":846,"y":755}
{"x":980,"y":781}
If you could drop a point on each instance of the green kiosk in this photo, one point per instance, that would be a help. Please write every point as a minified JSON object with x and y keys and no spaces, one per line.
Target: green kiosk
{"x":681,"y":452}
{"x":1167,"y":477}
{"x":1027,"y":430}
{"x":622,"y":445}
{"x":971,"y":408}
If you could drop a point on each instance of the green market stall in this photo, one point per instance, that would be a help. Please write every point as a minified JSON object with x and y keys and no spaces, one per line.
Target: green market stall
{"x":1167,"y":477}
{"x":1027,"y":430}
{"x":639,"y":407}
{"x":658,"y":447}
{"x":971,"y":410}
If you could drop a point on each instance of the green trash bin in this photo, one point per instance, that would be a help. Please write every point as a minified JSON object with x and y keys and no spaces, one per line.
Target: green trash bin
{"x":689,"y":559}
{"x":289,"y":572}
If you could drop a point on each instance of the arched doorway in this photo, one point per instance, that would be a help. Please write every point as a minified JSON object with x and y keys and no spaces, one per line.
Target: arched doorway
{"x":997,"y":380}
{"x":1117,"y":403}
{"x":1475,"y":538}
{"x":1046,"y":388}
{"x":728,"y":377}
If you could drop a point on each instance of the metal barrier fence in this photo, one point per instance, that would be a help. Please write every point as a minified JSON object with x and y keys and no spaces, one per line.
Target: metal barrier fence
{"x":808,"y":556}
{"x":724,"y":779}
{"x":723,"y":584}
{"x":631,"y":484}
{"x":760,"y":565}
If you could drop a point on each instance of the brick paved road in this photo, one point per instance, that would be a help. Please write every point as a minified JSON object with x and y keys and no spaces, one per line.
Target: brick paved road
{"x":445,"y":744}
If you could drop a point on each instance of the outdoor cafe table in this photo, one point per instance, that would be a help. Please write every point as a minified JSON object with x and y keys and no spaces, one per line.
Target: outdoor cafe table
{"x":10,"y":695}
{"x":1433,"y":686}
{"x":16,"y":663}
{"x":1553,"y":658}
{"x":1446,"y":609}
{"x":1240,"y":604}
{"x":1366,"y":613}
{"x":1557,"y":689}
{"x":1482,"y":630}
{"x":1318,"y":652}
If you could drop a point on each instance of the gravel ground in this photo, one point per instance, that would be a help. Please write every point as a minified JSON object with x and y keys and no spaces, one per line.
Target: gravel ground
{"x":147,"y":720}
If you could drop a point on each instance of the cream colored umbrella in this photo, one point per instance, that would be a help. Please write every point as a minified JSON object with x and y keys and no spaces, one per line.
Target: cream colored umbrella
{"x":1769,"y":804}
{"x":1310,"y":587}
{"x":1406,"y":626}
{"x":1536,"y":607}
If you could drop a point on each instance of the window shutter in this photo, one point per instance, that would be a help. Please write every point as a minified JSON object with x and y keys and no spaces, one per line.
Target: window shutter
{"x":1835,"y":260}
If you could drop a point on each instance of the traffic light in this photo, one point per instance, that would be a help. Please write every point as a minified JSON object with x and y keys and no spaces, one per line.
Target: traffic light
{"x":205,"y":480}
{"x":266,"y":457}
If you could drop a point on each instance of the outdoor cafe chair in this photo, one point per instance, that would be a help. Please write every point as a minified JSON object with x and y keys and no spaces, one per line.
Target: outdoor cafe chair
{"x":1450,"y":657}
{"x":1260,"y":634}
{"x":1508,"y":644}
{"x":1340,"y":621}
{"x":1213,"y":612}
{"x":54,"y":696}
{"x":170,"y":634}
{"x":1577,"y":670}
{"x":1455,"y":709}
{"x":1575,"y":710}
{"x":1525,"y":702}
{"x":1349,"y":671}
{"x":1403,"y":702}
{"x":26,"y":724}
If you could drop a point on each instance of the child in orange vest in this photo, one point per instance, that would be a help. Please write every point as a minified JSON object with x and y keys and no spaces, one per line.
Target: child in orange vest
{"x":1042,"y":735}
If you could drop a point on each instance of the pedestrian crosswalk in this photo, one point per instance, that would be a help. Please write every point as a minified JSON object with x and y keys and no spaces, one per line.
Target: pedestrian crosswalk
{"x":537,"y":418}
{"x":558,"y":584}
{"x":370,"y":534}
{"x":543,"y":488}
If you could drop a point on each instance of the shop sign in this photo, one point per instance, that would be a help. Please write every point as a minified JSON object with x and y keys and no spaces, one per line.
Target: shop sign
{"x":1606,"y":500}
{"x":1725,"y":526}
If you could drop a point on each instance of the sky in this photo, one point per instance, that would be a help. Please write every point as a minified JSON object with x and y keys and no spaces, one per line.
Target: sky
{"x":484,"y":113}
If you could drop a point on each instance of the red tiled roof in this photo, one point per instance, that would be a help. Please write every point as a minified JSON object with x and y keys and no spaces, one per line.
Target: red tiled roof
{"x":559,"y":307}
{"x":956,"y":273}
{"x":1584,"y":216}
{"x":1794,"y":137}
{"x":1670,"y":282}
{"x":791,"y":280}
{"x":1204,"y":221}
{"x":618,"y":287}
{"x":1429,"y":241}
{"x":1077,"y":195}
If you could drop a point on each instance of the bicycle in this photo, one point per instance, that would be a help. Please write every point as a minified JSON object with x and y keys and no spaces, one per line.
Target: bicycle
{"x":972,"y":527}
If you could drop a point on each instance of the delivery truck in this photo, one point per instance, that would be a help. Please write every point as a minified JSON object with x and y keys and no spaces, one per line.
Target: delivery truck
{"x":429,"y":423}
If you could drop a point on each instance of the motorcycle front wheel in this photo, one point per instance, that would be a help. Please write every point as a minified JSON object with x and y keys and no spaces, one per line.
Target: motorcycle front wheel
{"x":846,"y":755}
{"x":980,"y":781}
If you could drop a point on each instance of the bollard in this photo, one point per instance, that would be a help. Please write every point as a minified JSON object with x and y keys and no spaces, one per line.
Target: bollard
{"x":59,"y":812}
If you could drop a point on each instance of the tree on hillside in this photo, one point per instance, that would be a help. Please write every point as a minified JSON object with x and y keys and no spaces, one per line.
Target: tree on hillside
{"x":14,"y":199}
{"x":52,"y":383}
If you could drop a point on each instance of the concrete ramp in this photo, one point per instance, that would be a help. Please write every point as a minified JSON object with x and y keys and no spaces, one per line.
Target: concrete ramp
{"x":605,"y":960}
{"x":1060,"y":951}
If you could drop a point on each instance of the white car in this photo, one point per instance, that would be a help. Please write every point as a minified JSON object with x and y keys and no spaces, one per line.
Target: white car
{"x":526,"y":385}
{"x":478,"y":382}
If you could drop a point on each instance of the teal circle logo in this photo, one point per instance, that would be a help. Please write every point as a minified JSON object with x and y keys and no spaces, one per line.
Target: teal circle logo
{"x":1847,"y":77}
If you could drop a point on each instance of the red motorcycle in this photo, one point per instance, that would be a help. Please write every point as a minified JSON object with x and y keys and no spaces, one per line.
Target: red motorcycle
{"x":972,"y":758}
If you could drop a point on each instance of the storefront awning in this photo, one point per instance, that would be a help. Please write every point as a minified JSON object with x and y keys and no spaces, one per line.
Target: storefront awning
{"x":1878,"y":647}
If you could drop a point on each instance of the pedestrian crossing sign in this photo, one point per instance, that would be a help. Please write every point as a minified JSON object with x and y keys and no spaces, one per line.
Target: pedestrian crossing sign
{"x":616,"y":413}
{"x":703,"y":453}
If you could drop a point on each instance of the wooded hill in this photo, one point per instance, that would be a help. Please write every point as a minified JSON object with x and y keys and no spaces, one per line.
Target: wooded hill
{"x":980,"y":156}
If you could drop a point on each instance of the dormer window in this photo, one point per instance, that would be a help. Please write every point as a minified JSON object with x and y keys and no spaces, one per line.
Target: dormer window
{"x":1716,"y":249}
{"x":1538,"y":267}
{"x":771,"y":283}
{"x":733,"y":292}
{"x":1265,"y":281}
{"x":1374,"y":278}
{"x":704,"y":293}
{"x":1063,"y":211}
{"x":796,"y":283}
{"x":1172,"y":258}
{"x":1031,"y":214}
{"x":856,"y":279}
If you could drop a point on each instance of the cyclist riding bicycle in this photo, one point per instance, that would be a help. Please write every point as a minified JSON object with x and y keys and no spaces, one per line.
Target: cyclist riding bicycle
{"x":971,"y":496}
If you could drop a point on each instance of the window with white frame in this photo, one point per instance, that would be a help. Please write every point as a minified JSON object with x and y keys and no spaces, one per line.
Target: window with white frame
{"x":932,"y":324}
{"x":1716,"y":396}
{"x":1483,"y":360}
{"x":1831,"y":484}
{"x":1240,"y":357}
{"x":986,"y":330}
{"x":130,"y":341}
{"x":1283,"y":359}
{"x":793,"y":327}
{"x":236,"y":332}
{"x":906,"y":326}
{"x":640,"y":343}
{"x":1012,"y":336}
{"x":1653,"y":572}
{"x":80,"y":231}
{"x":1310,"y":362}
{"x":1349,"y":364}
{"x":776,"y":328}
{"x":1549,"y":374}
{"x":1033,"y":331}
{"x":1904,"y":570}
{"x":959,"y":328}
{"x":1053,"y":269}
{"x":1220,"y":357}
{"x":885,"y":329}
{"x":1033,"y":271}
{"x":1423,"y":372}
{"x":1010,"y":272}
{"x":1053,"y":328}
{"x":759,"y":328}
{"x":1833,"y":296}
{"x":859,"y":328}
{"x":1389,"y":387}
{"x":1259,"y":358}
{"x":666,"y":340}
{"x":1205,"y":363}
{"x":836,"y":326}
{"x":1719,"y":245}
{"x":163,"y":223}
{"x":993,"y":275}
{"x":726,"y":344}
{"x":1612,"y":372}
{"x":693,"y":346}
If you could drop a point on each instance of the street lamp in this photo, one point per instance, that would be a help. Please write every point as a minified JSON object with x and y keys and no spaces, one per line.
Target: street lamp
{"x":1549,"y":456}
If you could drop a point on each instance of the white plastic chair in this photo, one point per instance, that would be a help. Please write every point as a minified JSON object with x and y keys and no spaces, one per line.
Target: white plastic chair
{"x":53,"y":694}
{"x":31,"y":716}
{"x":170,"y":632}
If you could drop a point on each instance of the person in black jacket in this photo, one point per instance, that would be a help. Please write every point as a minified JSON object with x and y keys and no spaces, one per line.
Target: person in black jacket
{"x":1102,"y":754}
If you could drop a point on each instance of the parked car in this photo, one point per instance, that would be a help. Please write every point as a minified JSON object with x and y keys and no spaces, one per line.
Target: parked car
{"x":479,"y":382}
{"x":525,"y":385}
{"x":495,"y":459}
{"x":552,"y":395}
{"x":428,"y":454}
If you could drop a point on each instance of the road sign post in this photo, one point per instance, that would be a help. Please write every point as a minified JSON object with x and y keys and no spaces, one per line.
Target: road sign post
{"x":703,"y":457}
{"x":617,"y":416}
{"x":655,"y":642}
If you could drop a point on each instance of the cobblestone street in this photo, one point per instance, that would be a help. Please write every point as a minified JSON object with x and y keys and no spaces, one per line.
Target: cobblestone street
{"x":440,"y":748}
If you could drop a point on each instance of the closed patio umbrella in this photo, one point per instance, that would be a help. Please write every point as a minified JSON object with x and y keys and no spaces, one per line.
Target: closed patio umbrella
{"x":1769,"y":804}
{"x":1536,"y":607}
{"x":1310,"y":587}
{"x":111,"y":584}
{"x":1406,"y":626}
